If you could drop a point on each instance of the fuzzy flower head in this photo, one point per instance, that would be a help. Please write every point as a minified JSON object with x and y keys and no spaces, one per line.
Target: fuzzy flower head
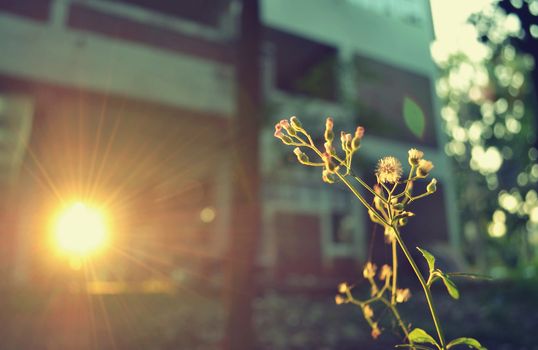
{"x":415,"y":156}
{"x":424,"y":168}
{"x":389,"y":169}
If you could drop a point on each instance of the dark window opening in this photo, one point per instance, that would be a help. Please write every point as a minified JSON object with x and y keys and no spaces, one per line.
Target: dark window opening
{"x":303,"y":66}
{"x":298,"y":244}
{"x":342,"y":228}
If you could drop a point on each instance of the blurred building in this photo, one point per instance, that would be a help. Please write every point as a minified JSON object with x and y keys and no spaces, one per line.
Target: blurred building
{"x":128,"y":103}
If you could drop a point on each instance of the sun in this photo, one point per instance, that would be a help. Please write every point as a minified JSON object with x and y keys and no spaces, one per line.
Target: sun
{"x":80,"y":229}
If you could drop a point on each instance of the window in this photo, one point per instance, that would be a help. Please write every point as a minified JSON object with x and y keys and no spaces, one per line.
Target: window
{"x":382,"y":90}
{"x":207,"y":12}
{"x":343,"y":228}
{"x":304,"y":66}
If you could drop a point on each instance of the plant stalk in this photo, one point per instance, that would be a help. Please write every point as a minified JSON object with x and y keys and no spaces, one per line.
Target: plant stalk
{"x":398,"y":318}
{"x":394,"y":271}
{"x":425,"y":287}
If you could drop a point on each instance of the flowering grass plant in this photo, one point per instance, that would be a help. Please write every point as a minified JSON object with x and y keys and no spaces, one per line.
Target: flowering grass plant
{"x":391,"y":196}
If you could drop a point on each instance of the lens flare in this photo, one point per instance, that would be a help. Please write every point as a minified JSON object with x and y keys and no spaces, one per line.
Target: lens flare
{"x":81,"y":229}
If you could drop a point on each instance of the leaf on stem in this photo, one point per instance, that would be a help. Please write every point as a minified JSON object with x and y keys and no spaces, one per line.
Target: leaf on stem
{"x":419,"y":335}
{"x":472,"y":276}
{"x":414,"y":117}
{"x":450,"y":286}
{"x":430,"y":259}
{"x":414,"y":346}
{"x":470,"y":342}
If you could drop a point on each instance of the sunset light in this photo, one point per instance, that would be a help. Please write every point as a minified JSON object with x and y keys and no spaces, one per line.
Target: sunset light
{"x":80,"y":229}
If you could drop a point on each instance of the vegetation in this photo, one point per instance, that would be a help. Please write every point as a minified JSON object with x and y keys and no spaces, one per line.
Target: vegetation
{"x":391,"y":196}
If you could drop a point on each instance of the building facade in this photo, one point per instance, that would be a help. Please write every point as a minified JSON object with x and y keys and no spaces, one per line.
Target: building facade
{"x":128,"y":102}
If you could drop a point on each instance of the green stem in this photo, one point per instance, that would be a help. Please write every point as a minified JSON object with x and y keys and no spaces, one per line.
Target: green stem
{"x":359,"y":196}
{"x":398,"y":318}
{"x":425,"y":287}
{"x":359,"y":180}
{"x":394,"y":271}
{"x":411,"y":199}
{"x":365,"y":185}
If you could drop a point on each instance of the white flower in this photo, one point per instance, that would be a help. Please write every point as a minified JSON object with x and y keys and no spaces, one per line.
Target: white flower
{"x":415,"y":156}
{"x":389,"y":169}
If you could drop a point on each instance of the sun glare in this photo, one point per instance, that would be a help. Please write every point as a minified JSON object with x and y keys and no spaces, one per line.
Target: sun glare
{"x":80,"y":229}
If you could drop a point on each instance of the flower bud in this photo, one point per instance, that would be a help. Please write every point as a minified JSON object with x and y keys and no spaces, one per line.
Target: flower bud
{"x":403,"y":295}
{"x":278,"y":130}
{"x":414,"y":156}
{"x":359,"y":132}
{"x":329,"y":148}
{"x":295,"y":123}
{"x":377,"y":203}
{"x":286,"y":139}
{"x":432,"y":186}
{"x":343,"y":288}
{"x":349,"y":142}
{"x":328,"y":177}
{"x":385,"y":273}
{"x":329,"y":123}
{"x":343,"y":141}
{"x":402,"y":222}
{"x":301,"y":156}
{"x":355,"y":144}
{"x":329,"y":133}
{"x":368,"y":312}
{"x":339,"y":300}
{"x":377,"y":189}
{"x":329,"y":164}
{"x":424,"y":168}
{"x":369,"y":270}
{"x":286,"y":125}
{"x":398,"y":206}
{"x":375,"y":331}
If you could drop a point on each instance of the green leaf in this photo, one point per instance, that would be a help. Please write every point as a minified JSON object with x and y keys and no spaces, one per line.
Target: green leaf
{"x":414,"y":346}
{"x":470,"y":342}
{"x":472,"y":276}
{"x":414,"y":117}
{"x":418,"y":335}
{"x":450,"y":286}
{"x":429,"y":258}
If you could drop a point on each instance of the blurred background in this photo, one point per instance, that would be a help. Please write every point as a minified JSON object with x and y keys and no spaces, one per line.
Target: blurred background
{"x":145,"y":203}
